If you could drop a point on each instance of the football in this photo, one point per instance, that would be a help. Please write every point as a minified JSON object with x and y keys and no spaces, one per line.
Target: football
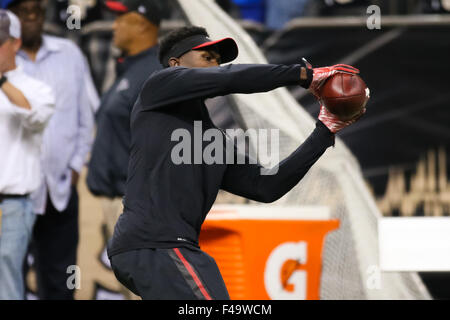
{"x":344,"y":95}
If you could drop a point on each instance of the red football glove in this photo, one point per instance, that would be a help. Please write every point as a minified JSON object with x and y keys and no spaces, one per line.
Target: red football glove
{"x":322,"y":74}
{"x":333,"y":123}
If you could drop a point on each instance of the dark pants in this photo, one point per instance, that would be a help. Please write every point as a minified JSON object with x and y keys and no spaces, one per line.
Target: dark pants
{"x":54,"y":247}
{"x":170,"y":274}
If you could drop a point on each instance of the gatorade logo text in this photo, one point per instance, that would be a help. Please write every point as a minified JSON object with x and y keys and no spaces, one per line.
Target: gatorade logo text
{"x":284,"y":275}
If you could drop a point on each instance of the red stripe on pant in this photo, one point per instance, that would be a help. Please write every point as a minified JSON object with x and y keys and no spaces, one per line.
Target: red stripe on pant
{"x":193,"y":274}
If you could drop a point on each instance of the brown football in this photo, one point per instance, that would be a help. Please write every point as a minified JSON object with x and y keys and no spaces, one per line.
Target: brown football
{"x":344,"y":95}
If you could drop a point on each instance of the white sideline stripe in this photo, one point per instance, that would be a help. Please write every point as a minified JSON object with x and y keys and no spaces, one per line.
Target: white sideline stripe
{"x":414,"y":244}
{"x":260,"y":212}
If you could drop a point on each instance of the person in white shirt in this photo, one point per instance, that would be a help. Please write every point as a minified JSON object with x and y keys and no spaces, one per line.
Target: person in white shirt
{"x":26,"y":106}
{"x":67,"y":141}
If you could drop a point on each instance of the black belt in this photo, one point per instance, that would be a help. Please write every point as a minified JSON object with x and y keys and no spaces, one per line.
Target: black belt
{"x":11,"y":196}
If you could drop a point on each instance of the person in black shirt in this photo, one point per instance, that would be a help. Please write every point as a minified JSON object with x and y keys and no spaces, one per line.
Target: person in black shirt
{"x":154,"y":250}
{"x":136,"y":34}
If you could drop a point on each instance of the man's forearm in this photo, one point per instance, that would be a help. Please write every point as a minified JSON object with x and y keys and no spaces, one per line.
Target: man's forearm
{"x":15,"y":95}
{"x":291,"y":170}
{"x":247,"y":181}
{"x":263,"y":78}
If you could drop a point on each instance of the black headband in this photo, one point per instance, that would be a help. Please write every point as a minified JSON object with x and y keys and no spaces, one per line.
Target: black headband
{"x":184,"y":46}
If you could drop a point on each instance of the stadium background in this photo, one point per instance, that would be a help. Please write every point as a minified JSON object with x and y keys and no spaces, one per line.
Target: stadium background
{"x":402,"y":145}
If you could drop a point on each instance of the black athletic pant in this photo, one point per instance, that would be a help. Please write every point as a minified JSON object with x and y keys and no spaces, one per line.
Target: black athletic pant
{"x":54,"y":247}
{"x":170,"y":274}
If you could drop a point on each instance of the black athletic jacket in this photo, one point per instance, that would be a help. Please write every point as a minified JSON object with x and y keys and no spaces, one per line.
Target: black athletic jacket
{"x":166,"y":204}
{"x":107,"y":174}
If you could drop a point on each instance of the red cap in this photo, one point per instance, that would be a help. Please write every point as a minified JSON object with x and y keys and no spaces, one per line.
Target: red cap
{"x":116,"y":6}
{"x":227,"y":47}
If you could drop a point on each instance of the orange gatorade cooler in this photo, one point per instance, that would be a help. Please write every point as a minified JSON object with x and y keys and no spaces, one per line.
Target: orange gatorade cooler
{"x":268,"y":252}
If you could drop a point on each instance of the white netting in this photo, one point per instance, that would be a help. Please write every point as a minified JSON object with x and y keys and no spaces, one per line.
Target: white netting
{"x":350,"y":259}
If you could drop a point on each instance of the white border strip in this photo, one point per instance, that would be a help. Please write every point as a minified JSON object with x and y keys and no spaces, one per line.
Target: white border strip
{"x":270,"y":212}
{"x":414,"y":244}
